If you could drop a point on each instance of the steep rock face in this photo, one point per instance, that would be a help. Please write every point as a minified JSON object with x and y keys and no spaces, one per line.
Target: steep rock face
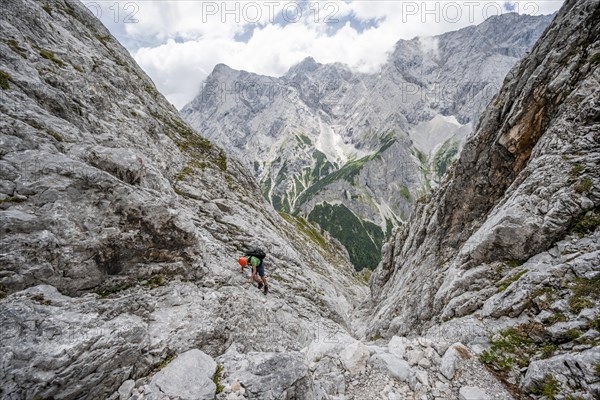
{"x":353,"y":151}
{"x":108,"y":196}
{"x":512,"y":239}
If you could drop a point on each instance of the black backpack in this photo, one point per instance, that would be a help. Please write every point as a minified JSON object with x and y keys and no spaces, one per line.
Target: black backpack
{"x":258,"y":253}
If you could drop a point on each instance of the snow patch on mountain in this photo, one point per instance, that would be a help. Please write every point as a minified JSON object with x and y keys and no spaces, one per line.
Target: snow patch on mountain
{"x":429,"y":135}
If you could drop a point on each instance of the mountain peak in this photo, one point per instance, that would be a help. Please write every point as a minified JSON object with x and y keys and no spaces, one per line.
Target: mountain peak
{"x":306,"y":65}
{"x":222,"y":68}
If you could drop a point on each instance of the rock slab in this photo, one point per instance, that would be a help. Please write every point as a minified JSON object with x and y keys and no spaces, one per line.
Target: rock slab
{"x":188,"y":377}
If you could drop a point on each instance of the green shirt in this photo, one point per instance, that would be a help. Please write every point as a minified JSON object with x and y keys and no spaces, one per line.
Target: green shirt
{"x":254,"y":261}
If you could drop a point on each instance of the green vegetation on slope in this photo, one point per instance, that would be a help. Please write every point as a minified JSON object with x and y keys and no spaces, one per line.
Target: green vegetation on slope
{"x":322,"y":166}
{"x":362,"y":239}
{"x":348,"y":172}
{"x":445,"y":156}
{"x":4,"y":78}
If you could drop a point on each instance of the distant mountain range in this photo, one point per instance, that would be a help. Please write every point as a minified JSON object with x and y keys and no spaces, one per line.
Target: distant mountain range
{"x":354,"y":152}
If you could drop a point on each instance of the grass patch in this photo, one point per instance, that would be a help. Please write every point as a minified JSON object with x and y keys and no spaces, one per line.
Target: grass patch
{"x":549,"y":389}
{"x":595,"y":324}
{"x":584,"y":186}
{"x":572,"y":334}
{"x":548,"y":350}
{"x":303,"y":139}
{"x":585,"y":224}
{"x":14,"y":46}
{"x":47,"y":8}
{"x":217,"y":378}
{"x":375,"y":338}
{"x":107,"y":292}
{"x":188,"y":170}
{"x":584,"y":291}
{"x":597,"y":369}
{"x":12,"y":200}
{"x":4,"y":78}
{"x":514,"y":346}
{"x":577,"y":170}
{"x":495,"y":360}
{"x":56,"y":136}
{"x":595,"y":59}
{"x":165,"y":362}
{"x":221,"y":161}
{"x":513,"y":263}
{"x":557,"y":317}
{"x":48,"y":55}
{"x":155,"y":281}
{"x":104,"y":39}
{"x":571,"y":397}
{"x":317,"y":359}
{"x":503,"y":285}
{"x":578,"y":304}
{"x":196,"y":142}
{"x":364,"y":275}
{"x":69,"y":10}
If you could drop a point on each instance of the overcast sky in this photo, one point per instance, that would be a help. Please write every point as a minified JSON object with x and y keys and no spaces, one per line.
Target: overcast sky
{"x":178,"y":42}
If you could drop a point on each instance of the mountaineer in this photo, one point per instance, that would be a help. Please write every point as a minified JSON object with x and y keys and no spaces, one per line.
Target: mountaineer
{"x":255,"y":258}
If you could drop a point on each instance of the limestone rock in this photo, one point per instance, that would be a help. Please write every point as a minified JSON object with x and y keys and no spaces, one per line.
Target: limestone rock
{"x":452,"y":358}
{"x":354,"y":357}
{"x":514,"y":232}
{"x":472,"y":393}
{"x":397,"y":346}
{"x":126,"y":389}
{"x":395,"y":367}
{"x":120,"y":238}
{"x":280,"y":375}
{"x":565,"y":369}
{"x":187,"y":377}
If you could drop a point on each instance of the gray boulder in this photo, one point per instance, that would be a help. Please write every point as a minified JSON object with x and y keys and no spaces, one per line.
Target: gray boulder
{"x":394,"y":366}
{"x":268,"y":374}
{"x":452,"y":358}
{"x":472,"y":393}
{"x":188,"y":377}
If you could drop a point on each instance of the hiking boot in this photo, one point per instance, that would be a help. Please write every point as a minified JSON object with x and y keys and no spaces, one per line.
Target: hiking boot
{"x":260,"y":285}
{"x":266,"y":290}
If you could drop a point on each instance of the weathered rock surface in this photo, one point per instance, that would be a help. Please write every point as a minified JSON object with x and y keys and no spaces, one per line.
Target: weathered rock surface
{"x":120,"y":227}
{"x":472,"y":393}
{"x":187,"y":377}
{"x":505,"y":256}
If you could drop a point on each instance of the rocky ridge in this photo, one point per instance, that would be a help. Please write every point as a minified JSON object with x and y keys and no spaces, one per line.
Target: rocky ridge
{"x":354,"y":152}
{"x":121,"y":226}
{"x":518,"y":263}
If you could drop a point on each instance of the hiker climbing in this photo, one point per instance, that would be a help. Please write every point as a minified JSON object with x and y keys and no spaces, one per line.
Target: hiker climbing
{"x":255,"y":258}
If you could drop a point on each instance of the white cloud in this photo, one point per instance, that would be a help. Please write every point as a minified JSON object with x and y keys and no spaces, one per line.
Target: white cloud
{"x":180,"y":42}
